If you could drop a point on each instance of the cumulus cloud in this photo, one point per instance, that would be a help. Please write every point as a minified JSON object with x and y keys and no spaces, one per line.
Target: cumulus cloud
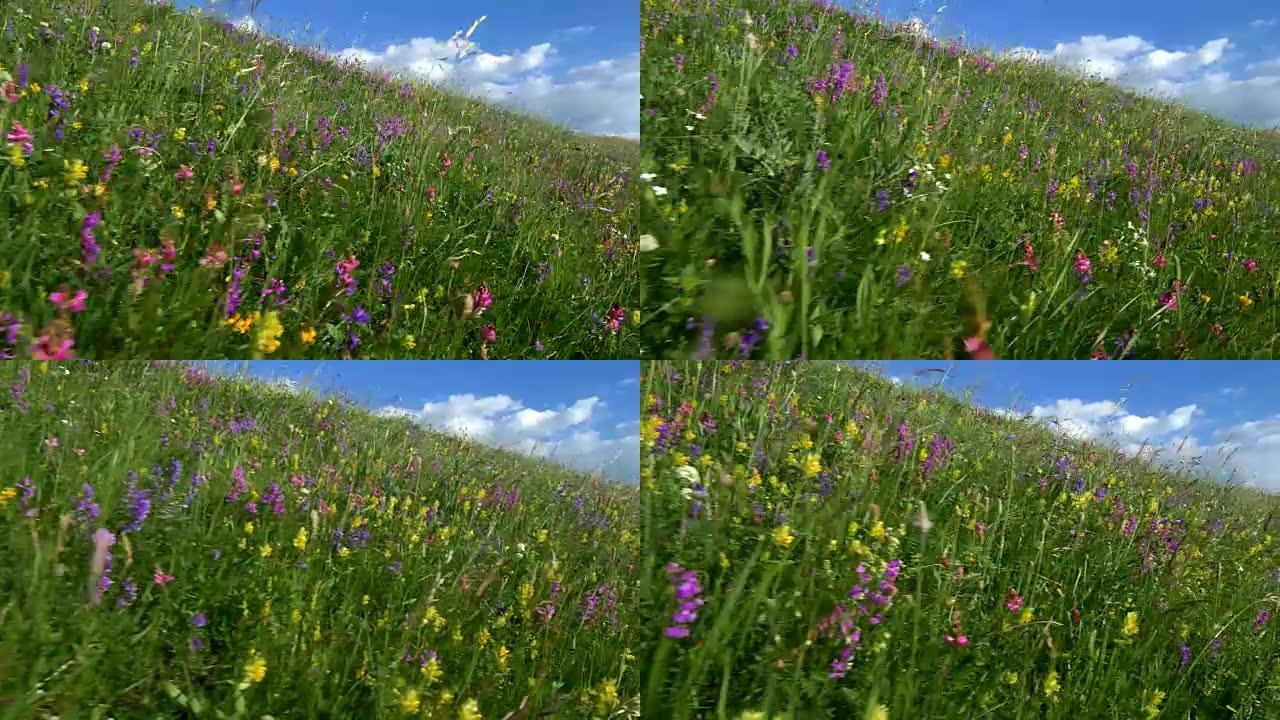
{"x":563,"y":434}
{"x":1248,"y":453}
{"x":1193,"y":75}
{"x":599,"y":98}
{"x":1108,"y":419}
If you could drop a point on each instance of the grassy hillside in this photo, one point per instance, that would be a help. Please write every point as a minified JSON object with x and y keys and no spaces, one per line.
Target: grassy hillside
{"x":183,"y":546}
{"x":821,"y":543}
{"x":190,"y":190}
{"x":823,"y":184}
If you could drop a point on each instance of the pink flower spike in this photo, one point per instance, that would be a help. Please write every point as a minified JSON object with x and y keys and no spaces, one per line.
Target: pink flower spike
{"x":184,"y":173}
{"x":162,"y":578}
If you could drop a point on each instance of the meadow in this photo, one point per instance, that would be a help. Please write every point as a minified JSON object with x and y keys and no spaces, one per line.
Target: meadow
{"x":180,"y":544}
{"x":822,"y":543}
{"x":174,"y":186}
{"x":822,"y":183}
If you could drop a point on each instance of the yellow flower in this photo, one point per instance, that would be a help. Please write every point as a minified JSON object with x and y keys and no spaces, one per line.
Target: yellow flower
{"x":308,"y":335}
{"x":409,"y":342}
{"x":1130,"y":625}
{"x":1009,"y":677}
{"x":76,"y":172}
{"x":431,"y":671}
{"x":1152,"y":707}
{"x":248,"y":528}
{"x":16,"y":156}
{"x":812,"y":466}
{"x":269,"y":331}
{"x":944,"y":162}
{"x":410,"y":702}
{"x":180,"y":134}
{"x":274,"y":163}
{"x":300,"y":540}
{"x":958,"y":268}
{"x":1245,"y":300}
{"x":240,"y":323}
{"x":470,"y":711}
{"x":782,"y":536}
{"x":1026,"y":616}
{"x":177,"y":212}
{"x":265,"y":550}
{"x":6,"y":495}
{"x":1051,"y":685}
{"x":501,"y":655}
{"x":256,"y":669}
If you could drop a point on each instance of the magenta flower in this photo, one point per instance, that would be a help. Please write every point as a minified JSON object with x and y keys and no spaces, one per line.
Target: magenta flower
{"x":481,"y":299}
{"x":65,"y":301}
{"x":184,"y":173}
{"x":162,"y":578}
{"x":19,"y":135}
{"x":614,"y":319}
{"x":489,"y":334}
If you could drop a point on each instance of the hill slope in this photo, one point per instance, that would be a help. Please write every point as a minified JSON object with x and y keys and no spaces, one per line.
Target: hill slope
{"x":822,"y":183}
{"x":217,"y":193}
{"x":269,"y":552}
{"x":820,"y":543}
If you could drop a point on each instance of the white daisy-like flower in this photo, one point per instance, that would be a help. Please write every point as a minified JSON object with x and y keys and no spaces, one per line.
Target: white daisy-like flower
{"x":925,"y":256}
{"x":688,"y":474}
{"x":659,"y":190}
{"x":647,"y":176}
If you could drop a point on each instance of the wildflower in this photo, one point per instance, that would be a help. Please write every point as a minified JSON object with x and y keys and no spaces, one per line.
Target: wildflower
{"x":783,"y":537}
{"x":300,"y":540}
{"x":55,"y":343}
{"x":65,"y":301}
{"x":256,"y":669}
{"x":410,"y":702}
{"x":183,"y":174}
{"x":1152,"y":708}
{"x":307,"y":335}
{"x":199,"y":620}
{"x":481,"y":300}
{"x":1261,"y":619}
{"x":162,"y":578}
{"x":489,"y":334}
{"x":1130,"y":627}
{"x":470,"y":711}
{"x":615,"y":317}
{"x":812,"y":466}
{"x":824,"y":162}
{"x":1051,"y":685}
{"x":958,"y":268}
{"x":75,"y":172}
{"x":659,"y":190}
{"x":1245,"y":300}
{"x":648,"y":243}
{"x":1014,"y":601}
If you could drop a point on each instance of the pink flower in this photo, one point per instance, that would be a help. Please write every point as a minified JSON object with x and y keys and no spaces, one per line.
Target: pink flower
{"x":55,"y":344}
{"x":162,"y":578}
{"x":64,"y":300}
{"x":1251,"y":265}
{"x":19,"y":135}
{"x":1083,"y":265}
{"x":1014,"y":601}
{"x":184,"y":173}
{"x":1160,"y":260}
{"x":617,"y":314}
{"x":481,"y":299}
{"x":958,"y":641}
{"x":489,"y":334}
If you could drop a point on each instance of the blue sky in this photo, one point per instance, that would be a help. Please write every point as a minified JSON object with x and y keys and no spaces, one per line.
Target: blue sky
{"x":1211,"y":409}
{"x":574,"y":61}
{"x":1223,"y":57}
{"x":582,"y":414}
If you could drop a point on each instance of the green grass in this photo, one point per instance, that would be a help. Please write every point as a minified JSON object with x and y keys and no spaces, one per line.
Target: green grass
{"x":471,"y":553}
{"x":1085,"y":583}
{"x":297,"y":161}
{"x":760,"y":252}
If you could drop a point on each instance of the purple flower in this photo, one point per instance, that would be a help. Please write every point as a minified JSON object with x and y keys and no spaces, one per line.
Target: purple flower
{"x":880,"y":92}
{"x":824,"y":162}
{"x":904,"y":275}
{"x":199,"y":620}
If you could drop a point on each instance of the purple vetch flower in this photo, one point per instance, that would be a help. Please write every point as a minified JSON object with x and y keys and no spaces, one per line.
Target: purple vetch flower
{"x":199,"y":620}
{"x":904,"y":275}
{"x":1184,"y":653}
{"x":1261,"y":619}
{"x":88,"y":243}
{"x":880,"y":92}
{"x":824,"y":162}
{"x":882,"y":200}
{"x":86,"y":509}
{"x":687,"y":591}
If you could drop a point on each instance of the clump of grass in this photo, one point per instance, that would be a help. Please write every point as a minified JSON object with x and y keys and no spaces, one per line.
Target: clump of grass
{"x":180,"y":545}
{"x":823,"y":184}
{"x":208,"y":191}
{"x":821,"y":543}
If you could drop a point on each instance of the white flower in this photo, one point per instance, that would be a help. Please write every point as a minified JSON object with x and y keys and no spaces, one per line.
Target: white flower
{"x":106,"y":45}
{"x":688,"y":474}
{"x":659,"y":190}
{"x":689,"y":128}
{"x":925,"y":256}
{"x":648,"y":243}
{"x":647,"y":176}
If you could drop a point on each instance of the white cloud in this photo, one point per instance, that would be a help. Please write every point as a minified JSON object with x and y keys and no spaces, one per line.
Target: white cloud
{"x":562,"y":434}
{"x":599,"y":98}
{"x":1108,"y":419}
{"x":1192,"y":75}
{"x":1264,"y":23}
